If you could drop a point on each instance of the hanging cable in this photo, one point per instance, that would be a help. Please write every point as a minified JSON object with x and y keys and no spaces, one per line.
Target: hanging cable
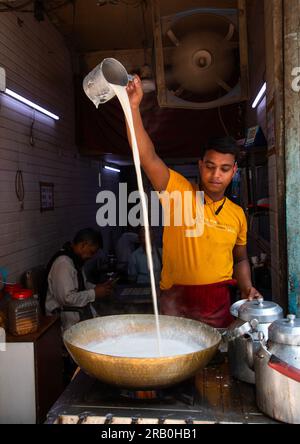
{"x":59,"y":5}
{"x":20,"y":8}
{"x":19,"y":188}
{"x":221,"y":118}
{"x":7,"y":7}
{"x":146,"y":40}
{"x":134,"y":3}
{"x":222,"y":121}
{"x":31,"y":136}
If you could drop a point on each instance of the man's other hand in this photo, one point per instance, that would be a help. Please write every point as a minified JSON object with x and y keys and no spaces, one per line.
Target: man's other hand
{"x":250,"y":293}
{"x":102,"y":290}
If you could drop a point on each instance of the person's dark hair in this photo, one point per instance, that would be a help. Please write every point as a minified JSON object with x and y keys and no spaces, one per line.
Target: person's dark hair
{"x":89,"y":235}
{"x":224,"y":145}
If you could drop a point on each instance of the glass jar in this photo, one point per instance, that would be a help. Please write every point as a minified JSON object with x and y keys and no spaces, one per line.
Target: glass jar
{"x":5,"y":296}
{"x":23,"y":313}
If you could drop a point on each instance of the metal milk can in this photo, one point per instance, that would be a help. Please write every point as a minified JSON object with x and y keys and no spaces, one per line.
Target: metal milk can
{"x":253,"y":317}
{"x":277,"y":370}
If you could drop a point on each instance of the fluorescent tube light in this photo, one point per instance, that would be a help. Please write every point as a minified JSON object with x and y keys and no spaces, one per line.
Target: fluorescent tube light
{"x":259,"y":95}
{"x":16,"y":96}
{"x":116,"y":170}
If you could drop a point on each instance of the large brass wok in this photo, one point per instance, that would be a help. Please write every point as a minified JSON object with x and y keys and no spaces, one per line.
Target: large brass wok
{"x":141,"y":373}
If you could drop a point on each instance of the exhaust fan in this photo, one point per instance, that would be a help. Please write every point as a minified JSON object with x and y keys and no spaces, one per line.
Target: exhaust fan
{"x":201,"y":57}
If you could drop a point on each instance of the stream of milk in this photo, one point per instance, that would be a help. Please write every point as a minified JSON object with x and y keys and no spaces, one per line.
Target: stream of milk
{"x":121,"y":93}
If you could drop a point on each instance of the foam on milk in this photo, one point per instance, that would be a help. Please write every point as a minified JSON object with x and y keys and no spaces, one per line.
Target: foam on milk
{"x":142,"y":346}
{"x":121,"y":93}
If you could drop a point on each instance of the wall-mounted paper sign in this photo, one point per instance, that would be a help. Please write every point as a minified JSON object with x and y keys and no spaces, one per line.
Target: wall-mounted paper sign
{"x":47,"y":196}
{"x":255,"y":137}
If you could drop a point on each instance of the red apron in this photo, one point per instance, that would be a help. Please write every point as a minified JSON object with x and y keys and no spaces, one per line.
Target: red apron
{"x":205,"y":303}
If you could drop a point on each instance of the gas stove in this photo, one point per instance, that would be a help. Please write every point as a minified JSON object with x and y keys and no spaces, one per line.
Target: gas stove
{"x":212,"y":396}
{"x":87,"y":397}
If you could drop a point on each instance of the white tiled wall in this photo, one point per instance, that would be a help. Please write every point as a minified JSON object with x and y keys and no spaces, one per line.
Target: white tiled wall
{"x":38,"y":66}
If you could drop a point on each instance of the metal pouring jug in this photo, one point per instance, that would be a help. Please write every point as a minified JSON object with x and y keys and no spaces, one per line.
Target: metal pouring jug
{"x":96,"y":84}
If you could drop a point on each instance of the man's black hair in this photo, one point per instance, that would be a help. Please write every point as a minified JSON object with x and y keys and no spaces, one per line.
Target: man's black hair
{"x":224,"y":145}
{"x":89,"y":235}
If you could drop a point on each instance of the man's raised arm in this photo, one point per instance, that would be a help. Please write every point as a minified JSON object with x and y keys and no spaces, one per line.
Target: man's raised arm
{"x":155,"y":169}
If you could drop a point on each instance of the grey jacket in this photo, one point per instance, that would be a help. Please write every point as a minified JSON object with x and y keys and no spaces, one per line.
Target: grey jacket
{"x":63,"y":290}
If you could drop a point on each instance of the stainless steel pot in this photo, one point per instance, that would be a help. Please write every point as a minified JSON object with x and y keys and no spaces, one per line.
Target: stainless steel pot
{"x":277,"y":370}
{"x":253,"y":317}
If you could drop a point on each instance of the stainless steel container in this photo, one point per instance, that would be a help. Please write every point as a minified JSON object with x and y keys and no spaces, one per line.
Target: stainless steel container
{"x":277,"y":369}
{"x":253,"y":317}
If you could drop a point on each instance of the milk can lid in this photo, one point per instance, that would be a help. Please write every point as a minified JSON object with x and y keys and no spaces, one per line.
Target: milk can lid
{"x":263,"y":311}
{"x":234,"y":309}
{"x":285,"y":331}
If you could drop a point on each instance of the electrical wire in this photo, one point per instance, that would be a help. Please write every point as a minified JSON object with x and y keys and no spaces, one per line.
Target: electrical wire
{"x":222,"y":121}
{"x":60,"y":5}
{"x":19,"y":188}
{"x":20,"y":8}
{"x":134,"y":3}
{"x":143,"y":6}
{"x":8,"y":7}
{"x":31,"y":139}
{"x":221,"y":118}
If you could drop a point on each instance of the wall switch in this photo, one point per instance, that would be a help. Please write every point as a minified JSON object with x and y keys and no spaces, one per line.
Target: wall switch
{"x":2,"y":79}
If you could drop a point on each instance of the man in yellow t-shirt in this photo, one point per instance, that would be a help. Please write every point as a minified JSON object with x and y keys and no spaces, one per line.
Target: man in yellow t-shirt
{"x":198,"y":271}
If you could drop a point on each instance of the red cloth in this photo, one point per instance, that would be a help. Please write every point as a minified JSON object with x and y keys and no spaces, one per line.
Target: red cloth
{"x":205,"y":303}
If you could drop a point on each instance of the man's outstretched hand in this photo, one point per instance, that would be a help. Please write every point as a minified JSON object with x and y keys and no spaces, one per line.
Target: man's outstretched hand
{"x":135,"y":92}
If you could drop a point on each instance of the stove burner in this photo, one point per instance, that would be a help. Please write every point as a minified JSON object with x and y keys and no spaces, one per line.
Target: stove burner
{"x":184,"y":393}
{"x":128,"y":394}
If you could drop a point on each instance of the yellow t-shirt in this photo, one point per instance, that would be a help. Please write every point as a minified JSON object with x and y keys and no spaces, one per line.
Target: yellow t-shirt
{"x":206,"y":259}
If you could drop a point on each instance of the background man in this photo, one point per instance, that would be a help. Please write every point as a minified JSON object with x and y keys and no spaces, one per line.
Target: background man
{"x":67,"y":284}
